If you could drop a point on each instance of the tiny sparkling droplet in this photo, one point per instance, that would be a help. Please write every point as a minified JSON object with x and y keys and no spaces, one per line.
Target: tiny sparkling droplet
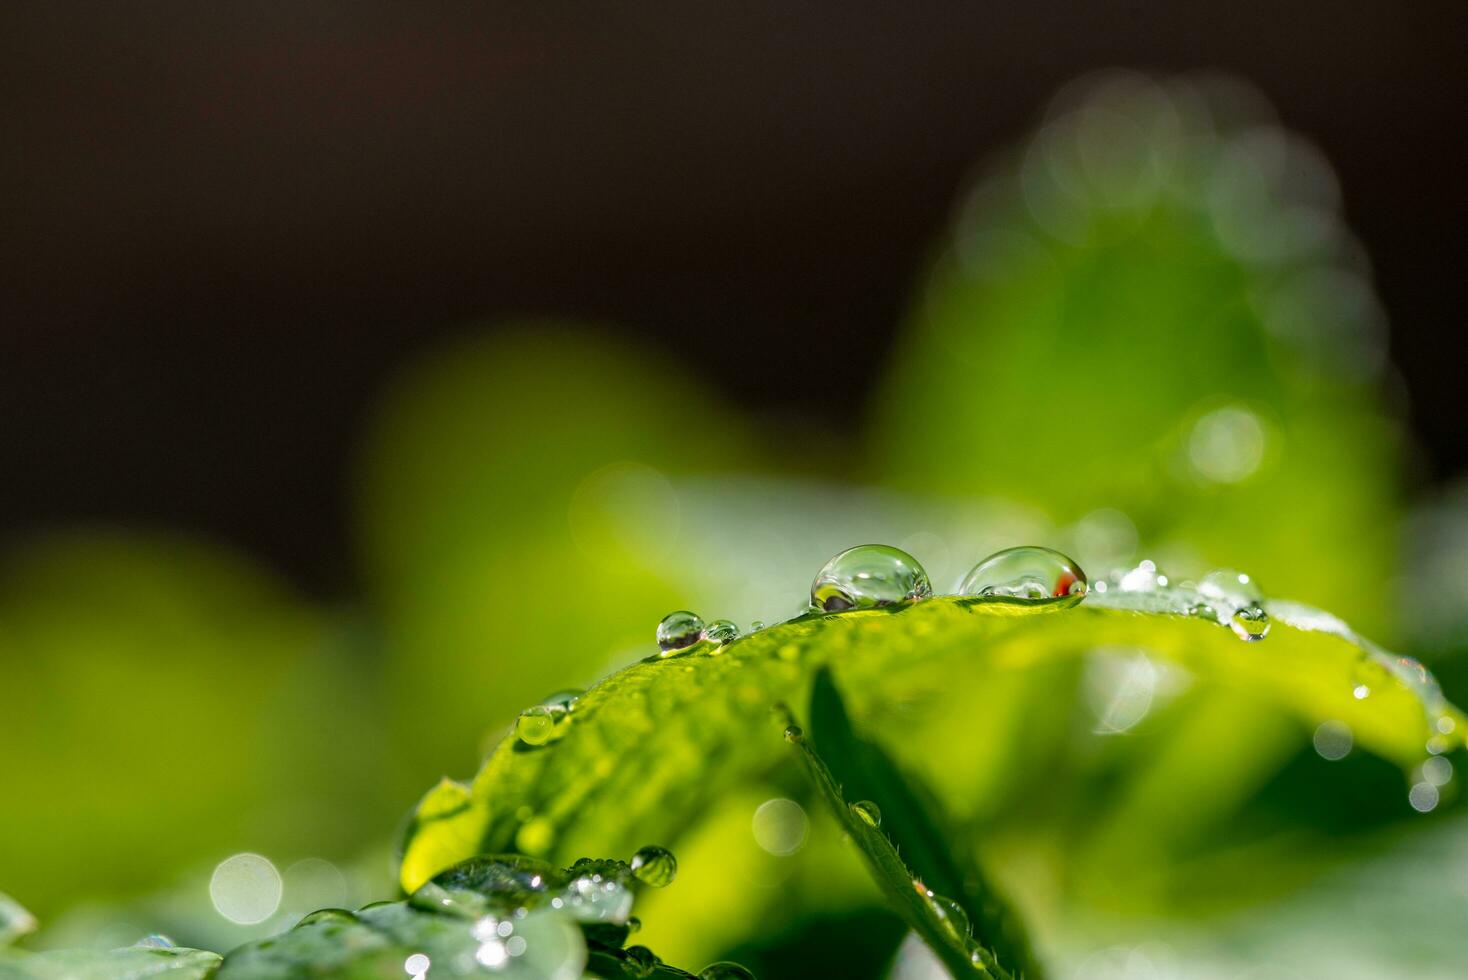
{"x":679,"y":631}
{"x":1250,"y":622}
{"x":725,"y":971}
{"x":1029,"y":573}
{"x":794,"y":733}
{"x":868,"y":576}
{"x":868,"y":812}
{"x":155,"y":941}
{"x":1361,"y":692}
{"x":655,"y":866}
{"x":757,"y":625}
{"x":1144,"y":578}
{"x":722,"y":631}
{"x":1228,"y":585}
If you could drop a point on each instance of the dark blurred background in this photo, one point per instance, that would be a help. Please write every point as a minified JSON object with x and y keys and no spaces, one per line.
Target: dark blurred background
{"x":224,"y":225}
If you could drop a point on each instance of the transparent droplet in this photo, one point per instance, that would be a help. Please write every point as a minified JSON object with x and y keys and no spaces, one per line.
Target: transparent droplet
{"x":326,"y":915}
{"x":1361,"y":692}
{"x":1250,"y":622}
{"x":725,"y":971}
{"x":1030,"y":573}
{"x":952,"y":913}
{"x":679,"y":631}
{"x":155,"y":941}
{"x":655,"y":866}
{"x":868,"y":812}
{"x":757,"y":625}
{"x":641,"y":961}
{"x":794,"y":733}
{"x":867,"y":576}
{"x":722,"y":631}
{"x":536,"y":725}
{"x":564,"y":700}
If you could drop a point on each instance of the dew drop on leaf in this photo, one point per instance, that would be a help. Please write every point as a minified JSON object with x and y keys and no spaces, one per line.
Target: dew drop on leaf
{"x":868,"y":576}
{"x":1228,"y":585}
{"x":535,"y":725}
{"x":1029,"y":573}
{"x":725,"y":971}
{"x":641,"y":961}
{"x":794,"y":733}
{"x":868,"y":812}
{"x":655,"y":866}
{"x":1250,"y":622}
{"x":722,"y":631}
{"x":679,"y":631}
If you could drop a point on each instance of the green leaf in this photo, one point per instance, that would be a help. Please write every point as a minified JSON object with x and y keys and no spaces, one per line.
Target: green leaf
{"x":507,"y":916}
{"x":128,"y":963}
{"x":644,"y":751}
{"x":914,"y":822}
{"x":927,"y":913}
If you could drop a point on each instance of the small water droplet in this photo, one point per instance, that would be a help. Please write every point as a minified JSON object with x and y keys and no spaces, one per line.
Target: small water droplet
{"x":867,"y":812}
{"x":326,"y":915}
{"x":1030,"y":573}
{"x":536,"y":725}
{"x":155,"y":941}
{"x":951,"y":913}
{"x":678,"y":631}
{"x":655,"y":866}
{"x":641,"y":961}
{"x":1250,"y":622}
{"x":757,"y":625}
{"x":1445,"y":725}
{"x":722,"y":631}
{"x":868,"y":576}
{"x":634,"y":924}
{"x":725,"y":971}
{"x":1361,"y":692}
{"x":794,"y":733}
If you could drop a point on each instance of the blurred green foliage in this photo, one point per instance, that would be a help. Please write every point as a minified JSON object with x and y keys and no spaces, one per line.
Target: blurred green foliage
{"x":1148,"y":334}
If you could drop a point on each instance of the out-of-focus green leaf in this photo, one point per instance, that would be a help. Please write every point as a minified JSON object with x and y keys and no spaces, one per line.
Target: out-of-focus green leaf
{"x":179,"y":697}
{"x":128,"y":963}
{"x":519,"y":519}
{"x":1151,"y":315}
{"x":15,"y":920}
{"x":913,"y":821}
{"x":644,"y":750}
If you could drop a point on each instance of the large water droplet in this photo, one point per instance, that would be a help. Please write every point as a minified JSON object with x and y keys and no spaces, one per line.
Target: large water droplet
{"x":679,"y":631}
{"x":1029,"y":573}
{"x":725,"y":971}
{"x":867,"y":812}
{"x":867,"y":576}
{"x":722,"y":631}
{"x":655,"y":866}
